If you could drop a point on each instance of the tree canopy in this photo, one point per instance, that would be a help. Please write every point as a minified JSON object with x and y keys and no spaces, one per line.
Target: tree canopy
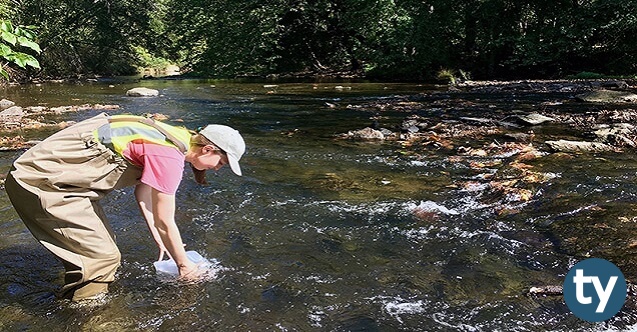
{"x":387,"y":39}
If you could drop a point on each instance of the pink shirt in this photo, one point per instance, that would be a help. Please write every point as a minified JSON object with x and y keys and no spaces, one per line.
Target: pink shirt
{"x":162,"y":166}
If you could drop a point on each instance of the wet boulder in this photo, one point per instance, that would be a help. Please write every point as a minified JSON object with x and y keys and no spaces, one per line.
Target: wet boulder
{"x":579,"y":146}
{"x":12,"y":114}
{"x":142,"y":92}
{"x":607,"y":96}
{"x":5,"y":103}
{"x":533,"y":119}
{"x":413,"y":125}
{"x":366,"y":134}
{"x":36,"y":109}
{"x":386,"y":132}
{"x":616,"y":116}
{"x":616,"y":134}
{"x":603,"y":130}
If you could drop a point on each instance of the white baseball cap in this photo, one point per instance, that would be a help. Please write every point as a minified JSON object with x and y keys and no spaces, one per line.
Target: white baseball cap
{"x":229,"y":140}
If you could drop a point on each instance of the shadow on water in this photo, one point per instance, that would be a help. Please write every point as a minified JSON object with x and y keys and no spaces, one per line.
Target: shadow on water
{"x":338,"y":235}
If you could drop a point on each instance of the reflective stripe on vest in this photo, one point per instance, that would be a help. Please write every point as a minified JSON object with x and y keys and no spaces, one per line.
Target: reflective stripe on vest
{"x":116,"y":135}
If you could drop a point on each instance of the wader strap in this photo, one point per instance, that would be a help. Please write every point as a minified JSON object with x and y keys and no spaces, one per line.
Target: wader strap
{"x":150,"y":122}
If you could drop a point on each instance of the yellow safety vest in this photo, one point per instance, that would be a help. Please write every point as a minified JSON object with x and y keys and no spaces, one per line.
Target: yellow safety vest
{"x":123,"y":129}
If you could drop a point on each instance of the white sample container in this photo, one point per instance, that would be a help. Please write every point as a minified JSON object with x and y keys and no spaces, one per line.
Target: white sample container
{"x":170,"y":267}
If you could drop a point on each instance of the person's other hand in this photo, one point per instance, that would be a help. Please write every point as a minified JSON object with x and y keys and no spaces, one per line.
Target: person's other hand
{"x":162,"y":252}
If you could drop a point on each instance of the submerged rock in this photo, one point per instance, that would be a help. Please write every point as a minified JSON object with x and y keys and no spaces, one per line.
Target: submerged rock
{"x":412,"y":124}
{"x":521,"y":137}
{"x":142,"y":92}
{"x":366,"y":134}
{"x":579,"y":146}
{"x":616,"y":134}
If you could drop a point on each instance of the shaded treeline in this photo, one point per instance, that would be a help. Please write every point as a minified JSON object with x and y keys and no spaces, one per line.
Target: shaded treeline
{"x":391,"y":39}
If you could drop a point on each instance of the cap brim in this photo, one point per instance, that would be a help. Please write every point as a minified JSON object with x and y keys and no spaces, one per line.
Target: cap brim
{"x":234,"y":165}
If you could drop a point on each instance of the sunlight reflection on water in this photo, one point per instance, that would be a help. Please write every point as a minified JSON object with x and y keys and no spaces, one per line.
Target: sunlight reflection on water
{"x":322,"y":234}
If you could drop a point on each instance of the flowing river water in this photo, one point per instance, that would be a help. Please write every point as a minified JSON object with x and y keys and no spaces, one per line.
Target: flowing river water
{"x":329,"y":234}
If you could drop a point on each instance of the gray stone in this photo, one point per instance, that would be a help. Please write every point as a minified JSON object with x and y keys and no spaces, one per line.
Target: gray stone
{"x":412,"y":129}
{"x":5,"y":103}
{"x":36,"y":109}
{"x":366,"y":133}
{"x":534,"y":119}
{"x":13,"y":110}
{"x":13,"y":113}
{"x":579,"y":146}
{"x":618,"y":133}
{"x":142,"y":92}
{"x":386,"y":131}
{"x":618,"y":129}
{"x":607,"y":96}
{"x":547,"y":290}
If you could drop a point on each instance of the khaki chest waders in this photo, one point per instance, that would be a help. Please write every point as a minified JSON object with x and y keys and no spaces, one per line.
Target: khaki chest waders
{"x":56,"y":186}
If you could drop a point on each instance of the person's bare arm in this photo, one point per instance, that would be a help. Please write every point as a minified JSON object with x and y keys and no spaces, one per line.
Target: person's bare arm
{"x":144,"y":201}
{"x":163,"y":208}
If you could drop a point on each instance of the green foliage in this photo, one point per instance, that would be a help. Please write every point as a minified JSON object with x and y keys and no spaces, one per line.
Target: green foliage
{"x":586,"y":75}
{"x":447,"y":74}
{"x":148,"y":60}
{"x":8,"y":9}
{"x":223,"y":37}
{"x":80,"y":37}
{"x":17,"y":36}
{"x":406,"y":39}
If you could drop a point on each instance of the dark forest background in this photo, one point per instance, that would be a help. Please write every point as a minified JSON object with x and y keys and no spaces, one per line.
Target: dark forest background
{"x":381,"y":39}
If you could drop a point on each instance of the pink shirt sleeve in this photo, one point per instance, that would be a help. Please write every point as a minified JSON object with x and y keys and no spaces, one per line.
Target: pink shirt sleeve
{"x":162,"y":166}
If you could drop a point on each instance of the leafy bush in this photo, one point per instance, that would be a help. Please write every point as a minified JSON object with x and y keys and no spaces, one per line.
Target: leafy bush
{"x":148,"y":60}
{"x":447,"y":74}
{"x":586,"y":75}
{"x":18,"y":36}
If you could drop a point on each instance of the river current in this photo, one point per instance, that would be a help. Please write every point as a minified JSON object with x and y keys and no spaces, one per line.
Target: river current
{"x":327,"y":234}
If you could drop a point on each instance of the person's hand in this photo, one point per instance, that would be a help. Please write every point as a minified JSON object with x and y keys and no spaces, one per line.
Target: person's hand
{"x":190,"y":271}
